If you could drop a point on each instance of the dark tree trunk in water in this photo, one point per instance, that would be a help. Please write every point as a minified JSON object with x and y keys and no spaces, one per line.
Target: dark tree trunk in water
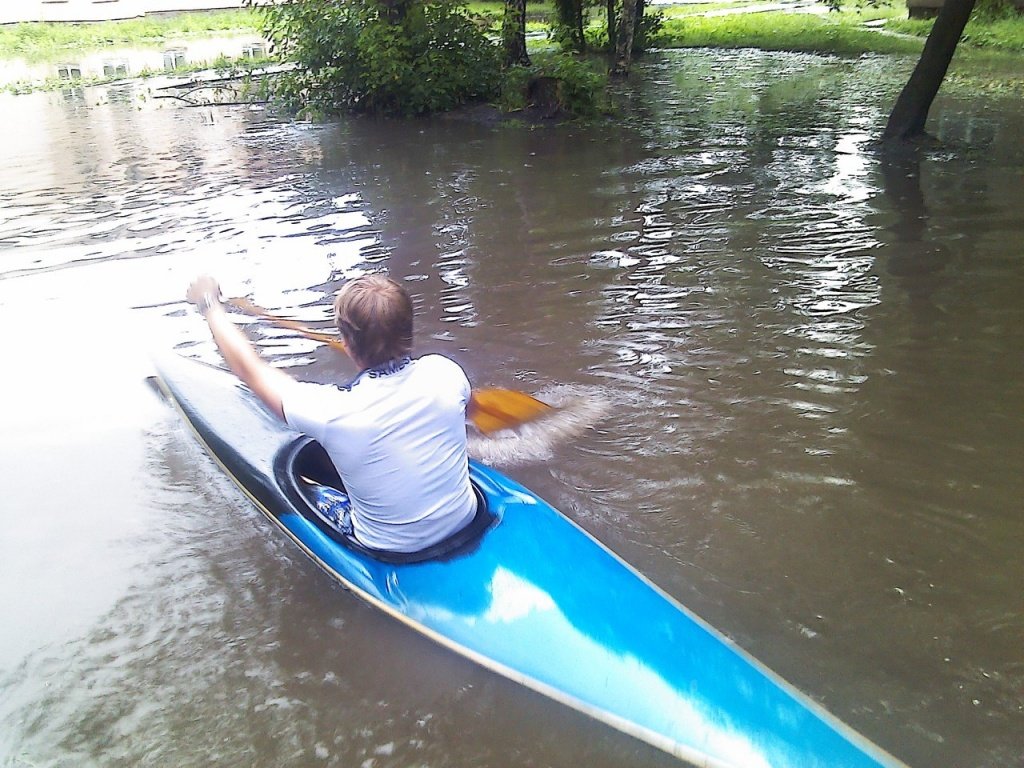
{"x":624,"y":42}
{"x":911,"y":111}
{"x":513,"y":34}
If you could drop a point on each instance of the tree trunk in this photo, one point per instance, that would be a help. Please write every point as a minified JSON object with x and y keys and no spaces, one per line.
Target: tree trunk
{"x":611,"y":25}
{"x":570,"y":16}
{"x":910,"y":113}
{"x":638,"y":18}
{"x":624,"y":43}
{"x":580,"y":34}
{"x":513,"y":34}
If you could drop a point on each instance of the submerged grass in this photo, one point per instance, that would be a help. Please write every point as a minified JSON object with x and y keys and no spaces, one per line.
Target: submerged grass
{"x":986,"y":61}
{"x":842,"y":33}
{"x":995,"y":73}
{"x":40,"y":41}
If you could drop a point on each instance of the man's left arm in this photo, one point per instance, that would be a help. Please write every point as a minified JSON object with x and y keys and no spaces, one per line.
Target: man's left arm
{"x":265,"y":380}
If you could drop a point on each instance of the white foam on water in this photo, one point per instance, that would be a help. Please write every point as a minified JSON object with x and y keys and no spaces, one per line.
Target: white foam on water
{"x":574,"y":410}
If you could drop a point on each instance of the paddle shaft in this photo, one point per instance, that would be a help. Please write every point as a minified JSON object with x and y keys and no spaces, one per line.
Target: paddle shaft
{"x":490,"y":410}
{"x":283,"y":322}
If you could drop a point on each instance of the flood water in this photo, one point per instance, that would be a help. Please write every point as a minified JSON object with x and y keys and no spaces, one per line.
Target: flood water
{"x":813,"y":354}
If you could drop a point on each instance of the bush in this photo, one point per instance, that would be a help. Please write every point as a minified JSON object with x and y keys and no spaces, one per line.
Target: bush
{"x":357,"y":56}
{"x":644,"y":38}
{"x":581,"y":87}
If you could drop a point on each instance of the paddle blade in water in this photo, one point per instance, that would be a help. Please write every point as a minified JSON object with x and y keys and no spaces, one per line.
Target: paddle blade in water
{"x":492,"y":410}
{"x":573,"y":410}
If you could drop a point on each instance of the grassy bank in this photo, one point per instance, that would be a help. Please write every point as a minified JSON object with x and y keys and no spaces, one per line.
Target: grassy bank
{"x":999,"y":36}
{"x":685,"y":26}
{"x":42,"y":41}
{"x":843,"y":34}
{"x":495,"y":9}
{"x":1006,"y":34}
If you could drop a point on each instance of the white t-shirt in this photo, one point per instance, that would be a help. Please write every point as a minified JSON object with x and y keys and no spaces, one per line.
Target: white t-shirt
{"x":397,"y":436}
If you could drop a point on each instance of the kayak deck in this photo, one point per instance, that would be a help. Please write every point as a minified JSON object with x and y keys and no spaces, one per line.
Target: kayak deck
{"x":538,"y":600}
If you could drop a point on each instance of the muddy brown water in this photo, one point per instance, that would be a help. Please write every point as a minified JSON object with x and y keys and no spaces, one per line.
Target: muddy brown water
{"x":813,"y":354}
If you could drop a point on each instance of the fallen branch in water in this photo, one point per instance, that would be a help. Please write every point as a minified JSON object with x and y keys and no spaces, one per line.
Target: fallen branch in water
{"x":190,"y":103}
{"x":233,"y":87}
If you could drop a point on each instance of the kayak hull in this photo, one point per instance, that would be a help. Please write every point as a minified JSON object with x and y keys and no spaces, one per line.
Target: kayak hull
{"x":538,"y":600}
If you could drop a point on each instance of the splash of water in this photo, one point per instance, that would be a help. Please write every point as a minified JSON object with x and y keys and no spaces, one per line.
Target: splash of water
{"x":575,"y":409}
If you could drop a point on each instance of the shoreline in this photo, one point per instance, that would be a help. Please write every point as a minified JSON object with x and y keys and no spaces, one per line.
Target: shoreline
{"x":46,"y":56}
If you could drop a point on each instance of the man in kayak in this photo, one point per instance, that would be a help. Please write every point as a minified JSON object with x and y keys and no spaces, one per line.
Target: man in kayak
{"x":396,"y":433}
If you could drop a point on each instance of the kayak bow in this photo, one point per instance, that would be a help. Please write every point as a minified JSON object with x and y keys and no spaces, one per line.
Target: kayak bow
{"x":537,"y":600}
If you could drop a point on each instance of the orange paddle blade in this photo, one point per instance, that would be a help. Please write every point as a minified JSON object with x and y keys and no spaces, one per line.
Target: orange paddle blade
{"x":492,"y":410}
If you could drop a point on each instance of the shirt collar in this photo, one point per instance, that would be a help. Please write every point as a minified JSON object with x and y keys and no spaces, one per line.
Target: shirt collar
{"x":377,"y":371}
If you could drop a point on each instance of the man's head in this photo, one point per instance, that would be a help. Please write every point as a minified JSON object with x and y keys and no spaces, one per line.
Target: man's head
{"x":374,"y":316}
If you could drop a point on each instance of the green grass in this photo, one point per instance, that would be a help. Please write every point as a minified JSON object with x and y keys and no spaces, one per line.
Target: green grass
{"x":685,"y":26}
{"x":776,"y":31}
{"x":1005,"y":34}
{"x":988,"y":60}
{"x":497,"y":8}
{"x":841,"y":33}
{"x":697,"y":9}
{"x":40,"y":41}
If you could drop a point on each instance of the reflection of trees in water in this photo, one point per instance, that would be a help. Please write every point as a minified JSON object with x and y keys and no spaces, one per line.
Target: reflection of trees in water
{"x":937,"y":432}
{"x":911,"y":256}
{"x":490,"y":223}
{"x":494,"y":223}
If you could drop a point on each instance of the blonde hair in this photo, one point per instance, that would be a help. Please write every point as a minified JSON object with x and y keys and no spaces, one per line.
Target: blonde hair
{"x":374,"y":316}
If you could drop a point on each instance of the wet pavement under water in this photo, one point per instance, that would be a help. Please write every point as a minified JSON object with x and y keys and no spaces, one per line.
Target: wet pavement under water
{"x":813,"y":354}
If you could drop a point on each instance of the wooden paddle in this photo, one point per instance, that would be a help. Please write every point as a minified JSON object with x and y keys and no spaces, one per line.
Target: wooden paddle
{"x":490,"y":409}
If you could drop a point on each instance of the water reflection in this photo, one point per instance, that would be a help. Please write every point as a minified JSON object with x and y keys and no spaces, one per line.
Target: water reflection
{"x":914,"y":258}
{"x":131,"y":61}
{"x":812,"y":353}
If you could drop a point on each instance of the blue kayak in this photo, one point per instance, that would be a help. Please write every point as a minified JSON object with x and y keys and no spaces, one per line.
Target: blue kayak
{"x":528,"y":594}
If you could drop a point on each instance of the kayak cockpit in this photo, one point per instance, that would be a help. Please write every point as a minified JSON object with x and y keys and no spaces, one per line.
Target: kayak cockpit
{"x":306,"y":465}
